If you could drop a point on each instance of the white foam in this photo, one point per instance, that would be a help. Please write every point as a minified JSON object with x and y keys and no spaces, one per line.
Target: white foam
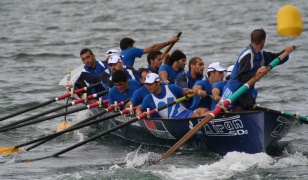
{"x":231,"y":164}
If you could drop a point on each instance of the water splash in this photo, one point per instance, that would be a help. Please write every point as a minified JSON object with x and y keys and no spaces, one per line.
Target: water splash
{"x":232,"y":164}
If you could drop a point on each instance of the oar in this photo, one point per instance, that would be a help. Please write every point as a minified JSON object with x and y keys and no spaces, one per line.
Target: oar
{"x":78,"y":101}
{"x":81,"y":90}
{"x":46,"y":139}
{"x":226,"y":103}
{"x":8,"y":150}
{"x":169,"y":47}
{"x":64,"y":124}
{"x":93,"y":105}
{"x":142,"y":116}
{"x":303,"y":119}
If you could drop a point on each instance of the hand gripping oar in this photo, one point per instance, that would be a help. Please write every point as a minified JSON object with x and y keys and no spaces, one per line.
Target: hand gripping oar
{"x":142,"y":116}
{"x":93,"y":105}
{"x":226,"y":103}
{"x":303,"y":119}
{"x":169,"y":47}
{"x":81,"y":90}
{"x":78,"y":101}
{"x":76,"y":126}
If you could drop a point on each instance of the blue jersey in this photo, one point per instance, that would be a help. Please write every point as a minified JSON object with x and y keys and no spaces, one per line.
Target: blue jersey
{"x":138,"y":96}
{"x":185,"y":81}
{"x":247,"y":65}
{"x":116,"y":95}
{"x":129,"y":55}
{"x":168,"y":94}
{"x":92,"y":76}
{"x":172,"y":74}
{"x":205,"y":102}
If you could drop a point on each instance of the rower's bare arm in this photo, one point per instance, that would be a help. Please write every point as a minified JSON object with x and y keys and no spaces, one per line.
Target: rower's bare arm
{"x":158,"y":46}
{"x":138,"y":111}
{"x":215,"y":93}
{"x":164,"y":77}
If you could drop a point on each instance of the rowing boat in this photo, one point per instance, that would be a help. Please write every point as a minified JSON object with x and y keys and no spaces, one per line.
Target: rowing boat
{"x":249,"y":132}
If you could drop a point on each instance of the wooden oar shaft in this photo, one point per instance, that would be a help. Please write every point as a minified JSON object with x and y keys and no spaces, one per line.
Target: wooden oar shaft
{"x":226,"y":103}
{"x":169,"y":47}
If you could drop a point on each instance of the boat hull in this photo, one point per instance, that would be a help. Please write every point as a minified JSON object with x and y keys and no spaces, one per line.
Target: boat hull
{"x":249,"y":132}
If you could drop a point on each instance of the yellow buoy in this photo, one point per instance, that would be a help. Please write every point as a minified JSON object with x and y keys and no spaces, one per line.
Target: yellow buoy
{"x":289,"y":21}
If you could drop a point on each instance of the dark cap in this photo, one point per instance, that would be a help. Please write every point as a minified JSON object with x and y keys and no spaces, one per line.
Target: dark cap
{"x":177,"y":55}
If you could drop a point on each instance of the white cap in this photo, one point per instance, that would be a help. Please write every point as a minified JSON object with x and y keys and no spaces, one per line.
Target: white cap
{"x":229,"y":70}
{"x":151,"y":78}
{"x":112,"y":52}
{"x":215,"y":66}
{"x":114,"y":59}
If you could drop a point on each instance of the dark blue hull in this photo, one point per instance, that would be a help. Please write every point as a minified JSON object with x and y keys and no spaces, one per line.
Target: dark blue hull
{"x":250,"y":132}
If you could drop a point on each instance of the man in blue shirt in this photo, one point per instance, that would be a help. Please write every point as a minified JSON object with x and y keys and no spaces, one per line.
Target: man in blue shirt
{"x":129,"y":52}
{"x":218,"y":87}
{"x":140,"y":93}
{"x":123,"y":88}
{"x":91,"y":72}
{"x":154,"y":61}
{"x":164,"y":94}
{"x":174,"y":67}
{"x":215,"y":73}
{"x":248,"y":64}
{"x":189,"y":78}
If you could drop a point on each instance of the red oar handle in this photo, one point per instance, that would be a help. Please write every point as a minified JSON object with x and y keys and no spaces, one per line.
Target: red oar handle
{"x":63,"y":96}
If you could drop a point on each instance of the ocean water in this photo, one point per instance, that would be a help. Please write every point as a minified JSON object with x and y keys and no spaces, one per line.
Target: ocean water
{"x":40,"y":42}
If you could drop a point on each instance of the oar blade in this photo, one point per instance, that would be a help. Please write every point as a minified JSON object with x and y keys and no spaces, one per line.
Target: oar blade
{"x":6,"y":151}
{"x":63,"y":125}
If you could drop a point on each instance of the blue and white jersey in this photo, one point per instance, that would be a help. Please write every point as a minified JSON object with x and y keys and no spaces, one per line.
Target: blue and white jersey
{"x":172,"y":74}
{"x":92,"y":76}
{"x":168,"y":94}
{"x":98,"y":70}
{"x":115,"y":95}
{"x":205,"y":102}
{"x":129,"y":55}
